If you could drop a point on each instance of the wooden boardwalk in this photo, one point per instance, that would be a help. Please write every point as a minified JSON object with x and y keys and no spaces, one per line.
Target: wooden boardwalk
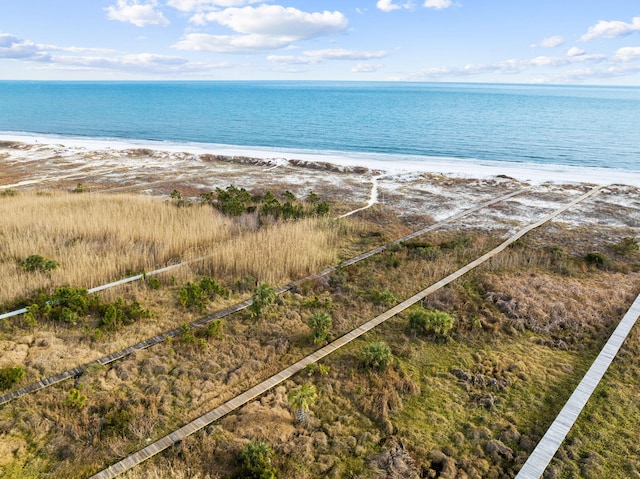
{"x":215,"y":414}
{"x":551,"y":441}
{"x":220,"y":314}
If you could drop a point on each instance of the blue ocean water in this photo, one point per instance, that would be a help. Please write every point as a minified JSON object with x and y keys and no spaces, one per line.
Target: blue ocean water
{"x":563,"y":125}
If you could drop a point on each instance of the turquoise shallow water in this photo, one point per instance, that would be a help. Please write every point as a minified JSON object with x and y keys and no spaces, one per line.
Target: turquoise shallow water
{"x":551,"y":125}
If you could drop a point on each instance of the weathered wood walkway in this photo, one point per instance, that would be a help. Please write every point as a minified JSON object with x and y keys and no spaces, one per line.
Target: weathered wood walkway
{"x":215,"y":414}
{"x":553,"y":438}
{"x":220,"y":314}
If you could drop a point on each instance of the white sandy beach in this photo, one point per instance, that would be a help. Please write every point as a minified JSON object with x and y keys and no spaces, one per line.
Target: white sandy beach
{"x":387,"y":164}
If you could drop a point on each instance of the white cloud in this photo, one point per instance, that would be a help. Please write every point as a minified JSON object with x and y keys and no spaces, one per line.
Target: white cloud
{"x":318,"y":56}
{"x":367,"y":67}
{"x":76,"y":58}
{"x":343,"y":54}
{"x":230,"y":43}
{"x":507,"y":67}
{"x":549,"y":42}
{"x":438,"y":4}
{"x":613,"y":29}
{"x":203,"y":5}
{"x":291,"y":59}
{"x":627,"y":54}
{"x":387,"y":5}
{"x":266,"y":27}
{"x":18,"y":49}
{"x":139,"y":14}
{"x":575,"y":51}
{"x":276,"y":20}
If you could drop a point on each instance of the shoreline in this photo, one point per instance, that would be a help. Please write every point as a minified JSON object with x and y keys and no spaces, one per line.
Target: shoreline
{"x":380,"y":163}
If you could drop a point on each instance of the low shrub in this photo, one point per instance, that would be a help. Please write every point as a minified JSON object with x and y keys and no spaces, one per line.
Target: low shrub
{"x":8,"y":193}
{"x":9,"y":376}
{"x":75,"y":399}
{"x":320,"y":324}
{"x":626,"y":246}
{"x":118,"y":314}
{"x":198,"y":294}
{"x":263,"y":296}
{"x":435,"y":322}
{"x":214,"y":330}
{"x":255,"y":459}
{"x":35,"y":262}
{"x":384,"y":297}
{"x":377,"y":355}
{"x":596,"y":259}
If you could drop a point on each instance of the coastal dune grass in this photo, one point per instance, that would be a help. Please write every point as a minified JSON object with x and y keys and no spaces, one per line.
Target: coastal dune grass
{"x":100,"y":238}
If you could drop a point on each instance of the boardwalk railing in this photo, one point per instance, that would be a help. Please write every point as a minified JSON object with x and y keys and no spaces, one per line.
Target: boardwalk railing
{"x":215,"y":414}
{"x":551,"y":441}
{"x":220,"y":314}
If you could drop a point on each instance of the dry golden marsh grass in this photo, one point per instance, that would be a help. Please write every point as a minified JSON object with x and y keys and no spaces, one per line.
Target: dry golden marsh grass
{"x":98,"y":238}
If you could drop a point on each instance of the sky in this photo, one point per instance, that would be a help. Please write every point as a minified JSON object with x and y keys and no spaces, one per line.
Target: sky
{"x":496,"y":41}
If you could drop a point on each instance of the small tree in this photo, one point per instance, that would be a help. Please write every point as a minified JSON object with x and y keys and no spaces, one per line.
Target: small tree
{"x":320,"y":324}
{"x":263,"y":296}
{"x":301,"y":399}
{"x":377,"y":355}
{"x":255,"y":459}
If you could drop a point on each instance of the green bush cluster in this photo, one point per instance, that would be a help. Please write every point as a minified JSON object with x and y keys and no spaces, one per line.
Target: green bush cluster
{"x":438,"y":323}
{"x":599,"y":260}
{"x":9,"y":376}
{"x":320,"y":324}
{"x":35,"y":262}
{"x":377,"y":355}
{"x":69,"y":305}
{"x":66,"y":304}
{"x":75,"y":399}
{"x":263,"y":297}
{"x":214,"y":330}
{"x":8,"y":193}
{"x":198,"y":294}
{"x":234,"y":201}
{"x":255,"y":459}
{"x":118,"y":314}
{"x":377,"y":296}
